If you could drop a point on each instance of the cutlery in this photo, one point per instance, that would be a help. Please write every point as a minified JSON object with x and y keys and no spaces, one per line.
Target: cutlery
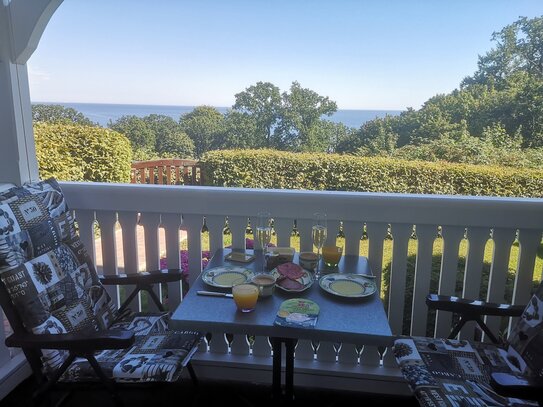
{"x":214,"y":294}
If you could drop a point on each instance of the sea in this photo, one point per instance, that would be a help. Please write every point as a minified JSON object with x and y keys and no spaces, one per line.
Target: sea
{"x":103,"y":113}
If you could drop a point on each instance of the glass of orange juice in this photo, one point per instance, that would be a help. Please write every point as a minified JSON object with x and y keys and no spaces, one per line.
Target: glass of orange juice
{"x":245,"y":296}
{"x":331,"y":255}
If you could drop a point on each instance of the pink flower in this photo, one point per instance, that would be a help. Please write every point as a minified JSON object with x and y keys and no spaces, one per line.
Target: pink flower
{"x":184,"y":260}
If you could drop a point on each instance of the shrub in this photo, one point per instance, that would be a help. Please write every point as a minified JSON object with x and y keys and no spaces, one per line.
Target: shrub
{"x":274,"y":169}
{"x":82,"y":153}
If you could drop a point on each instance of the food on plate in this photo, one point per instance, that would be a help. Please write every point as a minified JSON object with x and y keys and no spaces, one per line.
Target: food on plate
{"x":290,"y":270}
{"x":289,"y":284}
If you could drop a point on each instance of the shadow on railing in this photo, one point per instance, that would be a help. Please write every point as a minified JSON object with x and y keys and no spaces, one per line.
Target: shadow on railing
{"x":167,"y":172}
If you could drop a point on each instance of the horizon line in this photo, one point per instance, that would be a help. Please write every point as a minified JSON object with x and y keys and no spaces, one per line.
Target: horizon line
{"x":160,"y":105}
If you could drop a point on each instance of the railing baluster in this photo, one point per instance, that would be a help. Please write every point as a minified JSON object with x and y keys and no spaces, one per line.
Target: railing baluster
{"x":215,"y":225}
{"x":238,"y":226}
{"x":107,"y":221}
{"x":529,"y":242}
{"x":503,"y":240}
{"x":452,"y":235}
{"x":304,"y":228}
{"x":172,"y":223}
{"x":370,"y":356}
{"x":304,"y":350}
{"x":426,"y":235}
{"x":85,"y":220}
{"x":151,"y":222}
{"x":193,"y":225}
{"x":128,"y":222}
{"x":477,"y":240}
{"x":353,"y":233}
{"x":388,"y":359}
{"x":283,"y":229}
{"x":348,"y":354}
{"x":333,"y":230}
{"x":218,"y":343}
{"x":240,"y":345}
{"x":326,"y":352}
{"x":376,"y":235}
{"x":398,"y":271}
{"x":261,"y":346}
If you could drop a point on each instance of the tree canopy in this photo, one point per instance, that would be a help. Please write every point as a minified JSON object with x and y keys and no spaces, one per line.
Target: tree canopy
{"x":503,"y":99}
{"x":59,"y":114}
{"x":154,"y":136}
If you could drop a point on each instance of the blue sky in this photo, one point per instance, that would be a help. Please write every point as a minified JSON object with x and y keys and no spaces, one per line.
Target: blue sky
{"x":362,"y":54}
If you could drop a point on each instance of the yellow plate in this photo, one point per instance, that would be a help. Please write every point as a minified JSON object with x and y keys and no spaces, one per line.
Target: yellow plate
{"x":348,"y":285}
{"x":226,"y":276}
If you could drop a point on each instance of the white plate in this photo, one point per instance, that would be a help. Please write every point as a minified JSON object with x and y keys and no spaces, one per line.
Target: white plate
{"x":348,"y":285}
{"x":226,"y":276}
{"x":306,"y":280}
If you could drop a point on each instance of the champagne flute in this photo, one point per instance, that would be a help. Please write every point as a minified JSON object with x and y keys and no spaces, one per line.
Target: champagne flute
{"x":263,"y":234}
{"x":319,"y":233}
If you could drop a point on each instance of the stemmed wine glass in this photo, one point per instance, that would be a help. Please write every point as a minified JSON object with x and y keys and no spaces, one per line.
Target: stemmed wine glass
{"x":319,"y":233}
{"x":263,"y":234}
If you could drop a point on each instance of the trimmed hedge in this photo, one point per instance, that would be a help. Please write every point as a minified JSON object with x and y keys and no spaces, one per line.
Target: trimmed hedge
{"x":283,"y":170}
{"x":82,"y":153}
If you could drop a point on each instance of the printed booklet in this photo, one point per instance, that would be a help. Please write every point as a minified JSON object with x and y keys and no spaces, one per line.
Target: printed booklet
{"x":297,"y":312}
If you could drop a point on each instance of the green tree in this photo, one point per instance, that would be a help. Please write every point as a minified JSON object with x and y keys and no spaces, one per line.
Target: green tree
{"x":170,"y":140}
{"x":302,"y":112}
{"x":241,"y":131}
{"x":59,"y":114}
{"x":205,"y":126}
{"x":262,"y":102}
{"x":335,"y":134}
{"x":519,"y":48}
{"x":374,"y":138}
{"x":139,"y":133}
{"x":175,"y":145}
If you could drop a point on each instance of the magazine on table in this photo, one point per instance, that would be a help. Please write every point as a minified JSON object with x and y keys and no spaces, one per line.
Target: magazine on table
{"x":297,"y":312}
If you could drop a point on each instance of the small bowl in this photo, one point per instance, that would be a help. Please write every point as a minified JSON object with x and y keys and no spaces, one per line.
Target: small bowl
{"x":265,"y":284}
{"x":278,"y":255}
{"x":308,"y":260}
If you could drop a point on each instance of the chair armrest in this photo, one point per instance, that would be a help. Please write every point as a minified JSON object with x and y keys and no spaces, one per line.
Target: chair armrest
{"x":82,"y":341}
{"x":518,"y":386}
{"x":472,"y":307}
{"x":144,"y":278}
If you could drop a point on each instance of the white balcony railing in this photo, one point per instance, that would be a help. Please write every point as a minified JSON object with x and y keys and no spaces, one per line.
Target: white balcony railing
{"x":477,"y":219}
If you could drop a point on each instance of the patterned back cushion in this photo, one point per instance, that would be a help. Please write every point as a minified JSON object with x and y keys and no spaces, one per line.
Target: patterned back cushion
{"x":526,"y":338}
{"x":45,"y":268}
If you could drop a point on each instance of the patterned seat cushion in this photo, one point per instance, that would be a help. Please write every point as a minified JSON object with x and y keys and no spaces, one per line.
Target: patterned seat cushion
{"x":444,"y":372}
{"x":451,"y":373}
{"x":54,"y":286}
{"x":34,"y":219}
{"x":158,"y":354}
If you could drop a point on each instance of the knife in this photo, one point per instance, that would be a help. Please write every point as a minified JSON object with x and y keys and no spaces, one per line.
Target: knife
{"x":214,"y":294}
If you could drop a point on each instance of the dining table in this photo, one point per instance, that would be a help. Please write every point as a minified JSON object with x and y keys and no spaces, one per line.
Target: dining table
{"x":360,"y":320}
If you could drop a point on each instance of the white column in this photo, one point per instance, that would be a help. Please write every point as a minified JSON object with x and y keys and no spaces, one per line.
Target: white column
{"x":18,"y":163}
{"x":21,"y":26}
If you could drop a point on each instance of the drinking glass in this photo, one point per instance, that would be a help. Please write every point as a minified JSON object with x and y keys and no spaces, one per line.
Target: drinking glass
{"x":245,"y":296}
{"x":263,"y":233}
{"x":319,"y":233}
